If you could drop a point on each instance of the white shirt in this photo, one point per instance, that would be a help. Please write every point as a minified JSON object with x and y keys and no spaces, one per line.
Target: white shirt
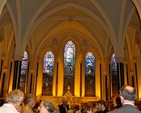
{"x":8,"y":108}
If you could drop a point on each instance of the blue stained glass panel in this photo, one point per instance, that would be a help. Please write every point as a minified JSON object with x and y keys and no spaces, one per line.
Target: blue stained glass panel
{"x":49,"y":63}
{"x":113,"y":64}
{"x":89,"y":74}
{"x":114,"y":76}
{"x":89,"y":63}
{"x":24,"y":67}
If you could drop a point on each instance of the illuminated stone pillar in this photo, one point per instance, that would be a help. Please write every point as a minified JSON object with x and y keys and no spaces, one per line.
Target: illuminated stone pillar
{"x":120,"y":71}
{"x":1,"y":67}
{"x":136,"y":76}
{"x":5,"y":74}
{"x":98,"y":79}
{"x":31,"y":81}
{"x":107,"y":85}
{"x":138,"y":67}
{"x":17,"y":69}
{"x":4,"y":82}
{"x":32,"y":76}
{"x":40,"y":77}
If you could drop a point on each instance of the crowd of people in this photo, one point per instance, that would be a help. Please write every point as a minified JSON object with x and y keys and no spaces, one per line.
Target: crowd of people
{"x":123,"y":103}
{"x":17,"y":102}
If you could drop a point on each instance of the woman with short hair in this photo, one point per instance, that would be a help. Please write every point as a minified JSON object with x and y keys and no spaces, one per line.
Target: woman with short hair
{"x":14,"y":100}
{"x":46,"y":106}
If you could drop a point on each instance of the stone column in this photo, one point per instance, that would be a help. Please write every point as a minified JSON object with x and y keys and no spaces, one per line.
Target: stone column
{"x":120,"y":71}
{"x":17,"y":69}
{"x":40,"y":77}
{"x":31,"y":81}
{"x":4,"y":82}
{"x":136,"y":77}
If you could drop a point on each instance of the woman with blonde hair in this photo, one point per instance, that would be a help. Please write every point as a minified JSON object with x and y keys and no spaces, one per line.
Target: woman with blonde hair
{"x":14,"y":100}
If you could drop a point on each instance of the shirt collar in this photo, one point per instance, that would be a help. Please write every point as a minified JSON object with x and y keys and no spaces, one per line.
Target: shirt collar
{"x":9,"y":105}
{"x":128,"y":104}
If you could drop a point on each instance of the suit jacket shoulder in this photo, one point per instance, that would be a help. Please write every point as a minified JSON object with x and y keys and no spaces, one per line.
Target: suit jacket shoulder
{"x":126,"y":109}
{"x":26,"y":109}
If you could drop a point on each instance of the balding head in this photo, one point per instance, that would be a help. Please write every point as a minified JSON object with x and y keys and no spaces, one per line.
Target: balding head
{"x":128,"y":93}
{"x":129,"y":88}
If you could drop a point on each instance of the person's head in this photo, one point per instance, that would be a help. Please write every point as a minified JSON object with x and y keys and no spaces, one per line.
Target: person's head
{"x":117,"y":101}
{"x":101,"y":105}
{"x":31,"y":100}
{"x":128,"y":93}
{"x":46,"y":106}
{"x":83,"y":110}
{"x":65,"y":102}
{"x":15,"y":97}
{"x":76,"y":107}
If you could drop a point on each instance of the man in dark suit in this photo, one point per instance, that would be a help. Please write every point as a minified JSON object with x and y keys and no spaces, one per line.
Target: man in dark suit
{"x":63,"y":108}
{"x":128,"y":96}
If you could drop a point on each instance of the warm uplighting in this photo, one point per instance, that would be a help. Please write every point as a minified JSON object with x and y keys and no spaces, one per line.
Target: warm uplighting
{"x":68,"y":87}
{"x":70,"y":20}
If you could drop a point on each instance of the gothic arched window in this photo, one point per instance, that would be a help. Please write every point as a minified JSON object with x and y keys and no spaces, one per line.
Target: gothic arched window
{"x":114,"y":76}
{"x":48,"y":69}
{"x":89,"y":74}
{"x":69,"y":63}
{"x":24,"y":67}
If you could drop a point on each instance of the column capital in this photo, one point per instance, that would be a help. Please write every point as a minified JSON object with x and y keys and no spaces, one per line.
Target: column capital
{"x":32,"y":71}
{"x":135,"y":60}
{"x":5,"y":70}
{"x":99,"y":60}
{"x":105,"y":72}
{"x":119,"y":59}
{"x":39,"y":59}
{"x":131,"y":72}
{"x":18,"y":57}
{"x":126,"y":61}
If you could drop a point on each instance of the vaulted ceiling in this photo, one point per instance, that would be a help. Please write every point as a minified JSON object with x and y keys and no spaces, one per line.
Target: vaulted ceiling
{"x":103,"y":22}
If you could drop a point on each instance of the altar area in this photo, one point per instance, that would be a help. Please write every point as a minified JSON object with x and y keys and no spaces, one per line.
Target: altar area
{"x":85,"y":102}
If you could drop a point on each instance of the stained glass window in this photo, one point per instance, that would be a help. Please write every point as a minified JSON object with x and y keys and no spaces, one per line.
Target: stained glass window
{"x":69,"y":63}
{"x":24,"y":67}
{"x":114,"y":76}
{"x":89,"y":74}
{"x":48,"y":69}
